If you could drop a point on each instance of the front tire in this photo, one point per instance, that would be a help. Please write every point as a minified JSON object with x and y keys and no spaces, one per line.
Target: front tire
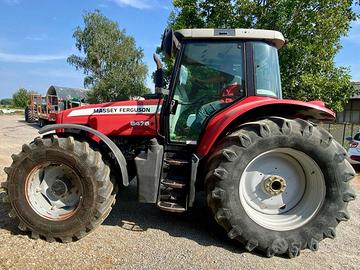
{"x":279,"y":185}
{"x":59,"y":189}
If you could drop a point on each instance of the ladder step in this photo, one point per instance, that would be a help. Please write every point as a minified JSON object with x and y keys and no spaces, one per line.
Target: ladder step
{"x":177,"y":162}
{"x":171,"y":207}
{"x":172,"y":196}
{"x":173,"y":183}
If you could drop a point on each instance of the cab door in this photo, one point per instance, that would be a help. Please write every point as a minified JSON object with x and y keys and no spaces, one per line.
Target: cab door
{"x":210,"y":76}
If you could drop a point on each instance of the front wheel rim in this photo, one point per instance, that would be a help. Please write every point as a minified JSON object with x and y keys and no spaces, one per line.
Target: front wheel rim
{"x":54,"y":191}
{"x":282,"y":189}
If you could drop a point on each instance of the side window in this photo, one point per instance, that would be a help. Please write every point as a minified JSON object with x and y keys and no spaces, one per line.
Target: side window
{"x":210,"y":77}
{"x":267,"y":71}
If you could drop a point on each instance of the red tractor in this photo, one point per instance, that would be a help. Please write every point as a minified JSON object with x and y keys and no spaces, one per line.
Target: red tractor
{"x":274,"y":180}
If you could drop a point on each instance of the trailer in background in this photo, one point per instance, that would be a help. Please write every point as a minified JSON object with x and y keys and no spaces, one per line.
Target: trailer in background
{"x":31,"y":109}
{"x":47,"y":109}
{"x":43,"y":109}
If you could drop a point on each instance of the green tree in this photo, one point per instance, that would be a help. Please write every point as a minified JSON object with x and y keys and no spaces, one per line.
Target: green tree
{"x":113,"y":65}
{"x":313,"y":29}
{"x":6,"y":102}
{"x":21,"y":98}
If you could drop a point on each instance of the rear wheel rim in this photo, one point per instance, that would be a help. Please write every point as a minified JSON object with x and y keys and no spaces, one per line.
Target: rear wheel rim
{"x":54,"y":191}
{"x":282,"y":189}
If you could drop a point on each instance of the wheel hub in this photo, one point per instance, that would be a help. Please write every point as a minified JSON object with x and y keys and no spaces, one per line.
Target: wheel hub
{"x":59,"y":188}
{"x":276,"y":203}
{"x":274,"y":185}
{"x":54,"y":191}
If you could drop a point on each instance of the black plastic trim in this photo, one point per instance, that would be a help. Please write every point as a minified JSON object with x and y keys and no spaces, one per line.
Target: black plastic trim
{"x":250,"y":75}
{"x":148,"y":168}
{"x":165,"y":111}
{"x":194,"y":166}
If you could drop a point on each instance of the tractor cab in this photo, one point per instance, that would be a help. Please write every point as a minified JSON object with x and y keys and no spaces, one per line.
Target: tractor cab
{"x":215,"y":69}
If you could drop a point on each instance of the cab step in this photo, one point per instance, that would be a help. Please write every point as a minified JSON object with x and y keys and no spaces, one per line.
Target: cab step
{"x":172,"y":183}
{"x":173,"y":200}
{"x":177,"y":162}
{"x":173,"y":192}
{"x":173,"y":207}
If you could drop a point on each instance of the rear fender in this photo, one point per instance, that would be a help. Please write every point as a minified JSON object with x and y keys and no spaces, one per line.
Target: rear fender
{"x":112,"y":146}
{"x":252,"y":108}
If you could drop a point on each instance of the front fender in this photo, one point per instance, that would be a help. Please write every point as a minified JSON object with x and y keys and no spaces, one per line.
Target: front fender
{"x":252,"y":108}
{"x":112,"y":146}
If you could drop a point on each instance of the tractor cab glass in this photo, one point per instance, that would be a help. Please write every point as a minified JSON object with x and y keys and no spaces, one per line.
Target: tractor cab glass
{"x":266,"y":70}
{"x":210,"y":77}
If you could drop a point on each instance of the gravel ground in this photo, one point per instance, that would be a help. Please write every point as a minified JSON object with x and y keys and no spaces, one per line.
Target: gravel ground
{"x":139,"y":236}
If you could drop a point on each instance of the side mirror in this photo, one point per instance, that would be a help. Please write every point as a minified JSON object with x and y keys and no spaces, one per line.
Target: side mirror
{"x":159,"y":78}
{"x":167,"y":42}
{"x":349,"y":139}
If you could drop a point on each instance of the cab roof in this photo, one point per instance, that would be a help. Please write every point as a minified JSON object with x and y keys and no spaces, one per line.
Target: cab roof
{"x":271,"y":36}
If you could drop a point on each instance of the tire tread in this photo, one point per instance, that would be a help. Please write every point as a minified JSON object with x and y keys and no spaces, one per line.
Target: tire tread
{"x":228,"y":151}
{"x":93,"y":159}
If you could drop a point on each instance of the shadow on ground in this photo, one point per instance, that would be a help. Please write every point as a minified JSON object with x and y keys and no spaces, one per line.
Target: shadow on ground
{"x":196,"y":225}
{"x":128,"y":214}
{"x":5,"y":221}
{"x":32,"y":124}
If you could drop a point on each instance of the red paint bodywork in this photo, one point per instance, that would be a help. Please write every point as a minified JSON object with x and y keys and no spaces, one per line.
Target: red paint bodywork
{"x":216,"y":125}
{"x":115,"y":124}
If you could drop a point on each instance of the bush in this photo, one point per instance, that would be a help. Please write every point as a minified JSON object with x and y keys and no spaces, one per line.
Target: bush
{"x":21,"y":98}
{"x":6,"y":102}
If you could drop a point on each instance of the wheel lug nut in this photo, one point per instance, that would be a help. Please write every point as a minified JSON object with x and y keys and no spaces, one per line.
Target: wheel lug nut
{"x":274,"y":185}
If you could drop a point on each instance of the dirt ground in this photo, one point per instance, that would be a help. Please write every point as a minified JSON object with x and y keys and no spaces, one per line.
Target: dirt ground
{"x":139,"y":236}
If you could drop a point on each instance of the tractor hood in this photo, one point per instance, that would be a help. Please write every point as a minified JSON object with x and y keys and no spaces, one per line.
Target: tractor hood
{"x":121,"y":118}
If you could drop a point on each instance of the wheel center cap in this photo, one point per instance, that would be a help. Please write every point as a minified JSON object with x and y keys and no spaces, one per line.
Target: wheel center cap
{"x":59,"y":188}
{"x":274,"y":185}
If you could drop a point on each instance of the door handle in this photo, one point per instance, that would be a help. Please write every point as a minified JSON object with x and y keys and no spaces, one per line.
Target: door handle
{"x":173,"y":105}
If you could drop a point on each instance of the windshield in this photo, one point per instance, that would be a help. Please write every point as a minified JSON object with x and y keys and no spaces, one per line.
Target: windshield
{"x":211,"y":77}
{"x":267,"y":71}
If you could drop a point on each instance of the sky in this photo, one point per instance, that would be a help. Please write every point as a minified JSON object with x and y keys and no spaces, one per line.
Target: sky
{"x":36,"y":38}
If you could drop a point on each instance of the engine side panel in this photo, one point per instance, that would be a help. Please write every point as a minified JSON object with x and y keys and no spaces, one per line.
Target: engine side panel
{"x":122,"y":118}
{"x":252,"y":107}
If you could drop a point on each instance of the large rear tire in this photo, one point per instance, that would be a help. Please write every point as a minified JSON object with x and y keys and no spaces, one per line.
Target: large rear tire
{"x":29,"y":115}
{"x":59,"y":189}
{"x":279,"y":185}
